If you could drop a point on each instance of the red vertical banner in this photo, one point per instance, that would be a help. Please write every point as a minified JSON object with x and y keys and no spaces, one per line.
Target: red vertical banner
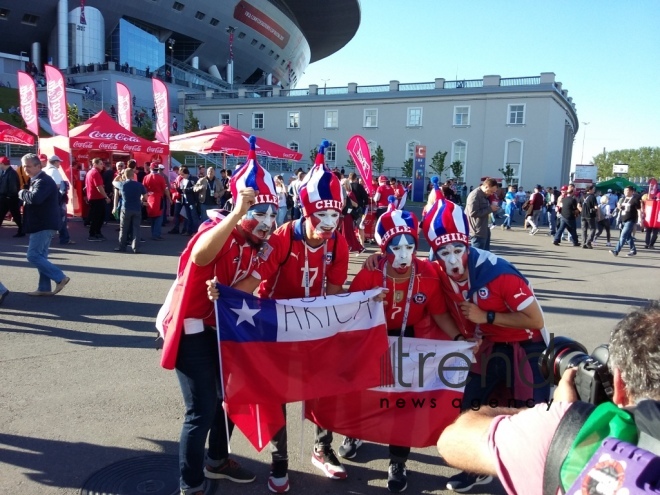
{"x":27,"y":93}
{"x":82,"y":13}
{"x":124,"y":110}
{"x":359,"y":150}
{"x":56,"y":93}
{"x":162,"y":106}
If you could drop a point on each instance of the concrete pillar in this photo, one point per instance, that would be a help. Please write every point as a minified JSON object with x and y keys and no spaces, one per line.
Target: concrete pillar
{"x":209,"y":94}
{"x":313,"y":89}
{"x":195,"y":62}
{"x":547,"y":77}
{"x":491,"y":80}
{"x":241,"y":92}
{"x":63,"y":34}
{"x":439,"y":83}
{"x":36,"y":55}
{"x":213,"y":70}
{"x":352,"y":87}
{"x":276,"y":91}
{"x":394,"y":85}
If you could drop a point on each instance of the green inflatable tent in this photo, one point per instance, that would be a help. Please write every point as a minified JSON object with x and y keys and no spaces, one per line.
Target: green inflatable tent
{"x":616,"y":184}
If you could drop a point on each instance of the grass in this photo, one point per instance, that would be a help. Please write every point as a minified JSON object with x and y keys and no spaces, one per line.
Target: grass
{"x":9,"y":98}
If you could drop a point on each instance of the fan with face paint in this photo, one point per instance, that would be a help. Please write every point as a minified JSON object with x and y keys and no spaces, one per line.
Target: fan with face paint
{"x":397,"y":233}
{"x":454,"y":257}
{"x":257,"y":224}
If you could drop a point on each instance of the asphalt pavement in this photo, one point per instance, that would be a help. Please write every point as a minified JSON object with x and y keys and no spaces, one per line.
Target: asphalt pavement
{"x":82,"y":390}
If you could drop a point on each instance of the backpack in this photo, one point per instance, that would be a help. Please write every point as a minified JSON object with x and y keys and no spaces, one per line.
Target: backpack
{"x":604,"y":446}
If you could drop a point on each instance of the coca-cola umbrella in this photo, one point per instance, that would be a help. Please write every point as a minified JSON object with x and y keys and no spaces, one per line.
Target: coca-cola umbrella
{"x":230,"y":141}
{"x":101,"y":132}
{"x":14,"y":135}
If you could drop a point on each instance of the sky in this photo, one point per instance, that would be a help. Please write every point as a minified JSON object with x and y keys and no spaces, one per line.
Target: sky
{"x":605,"y":53}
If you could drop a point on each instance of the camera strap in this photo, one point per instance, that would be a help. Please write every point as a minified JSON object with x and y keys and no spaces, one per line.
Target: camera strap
{"x":561,"y":444}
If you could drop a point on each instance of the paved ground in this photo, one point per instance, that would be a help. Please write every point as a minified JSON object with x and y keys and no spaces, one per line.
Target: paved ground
{"x":81,"y":387}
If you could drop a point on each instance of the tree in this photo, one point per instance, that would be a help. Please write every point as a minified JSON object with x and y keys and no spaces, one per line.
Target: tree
{"x":72,"y":115}
{"x":644,"y":162}
{"x":378,"y":159}
{"x":438,"y":163}
{"x":191,"y":123}
{"x":508,"y":173}
{"x":350,"y":163}
{"x":457,"y":169}
{"x":407,"y":168}
{"x":146,"y":131}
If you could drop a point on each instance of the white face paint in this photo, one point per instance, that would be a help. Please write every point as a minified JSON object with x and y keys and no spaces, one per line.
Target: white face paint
{"x":400,"y":252}
{"x":454,"y":257}
{"x":324,"y":223}
{"x":258,"y":222}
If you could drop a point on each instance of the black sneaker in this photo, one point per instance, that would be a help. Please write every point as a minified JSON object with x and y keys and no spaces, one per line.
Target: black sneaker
{"x":326,"y":460}
{"x":632,"y":253}
{"x":278,"y":481}
{"x":397,"y":477}
{"x":463,"y":482}
{"x":348,"y":448}
{"x":229,"y":470}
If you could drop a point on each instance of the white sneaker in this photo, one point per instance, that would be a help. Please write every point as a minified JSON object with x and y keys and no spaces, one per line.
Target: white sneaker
{"x":534,"y":230}
{"x":609,"y":244}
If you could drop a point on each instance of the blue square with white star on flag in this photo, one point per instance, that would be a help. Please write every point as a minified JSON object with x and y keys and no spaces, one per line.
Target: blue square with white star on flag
{"x":243,"y":317}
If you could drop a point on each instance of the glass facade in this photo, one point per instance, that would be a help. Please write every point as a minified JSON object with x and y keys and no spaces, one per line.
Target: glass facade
{"x":138,"y":48}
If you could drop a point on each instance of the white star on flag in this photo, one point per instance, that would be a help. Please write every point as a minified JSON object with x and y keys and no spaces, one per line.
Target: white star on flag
{"x":245,"y":314}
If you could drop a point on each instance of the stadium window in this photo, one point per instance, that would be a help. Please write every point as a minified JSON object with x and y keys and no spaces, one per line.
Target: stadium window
{"x":224,"y":118}
{"x":241,"y":35}
{"x":293,"y":146}
{"x":4,"y":14}
{"x":414,"y":117}
{"x":331,"y":119}
{"x":178,"y":6}
{"x":516,"y":114}
{"x":214,"y":21}
{"x":293,"y":120}
{"x":257,"y":120}
{"x":200,"y":15}
{"x":331,"y":152}
{"x":30,"y":19}
{"x":459,"y":152}
{"x":462,"y":116}
{"x":371,"y":117}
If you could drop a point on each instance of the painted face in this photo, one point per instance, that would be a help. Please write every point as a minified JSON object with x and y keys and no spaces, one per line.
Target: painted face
{"x":454,"y":257}
{"x":324,"y":223}
{"x":400,"y":252}
{"x":258,"y":222}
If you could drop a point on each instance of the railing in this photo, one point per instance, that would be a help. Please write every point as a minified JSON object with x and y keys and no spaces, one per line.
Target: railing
{"x":373,"y":89}
{"x":520,"y":81}
{"x":471,"y":83}
{"x":416,"y":86}
{"x":294,"y":92}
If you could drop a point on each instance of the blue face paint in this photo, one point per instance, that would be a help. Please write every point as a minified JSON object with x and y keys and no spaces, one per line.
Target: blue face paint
{"x":400,"y":252}
{"x":258,"y":222}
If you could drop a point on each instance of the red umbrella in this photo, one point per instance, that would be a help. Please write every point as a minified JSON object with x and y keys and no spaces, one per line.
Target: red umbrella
{"x":225,"y":139}
{"x":14,"y":135}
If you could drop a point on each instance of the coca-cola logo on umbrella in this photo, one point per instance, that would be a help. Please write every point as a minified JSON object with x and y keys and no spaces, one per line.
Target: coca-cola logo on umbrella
{"x":120,"y":136}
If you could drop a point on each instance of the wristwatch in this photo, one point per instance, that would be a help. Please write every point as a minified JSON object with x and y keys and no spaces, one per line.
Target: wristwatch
{"x":490,"y":317}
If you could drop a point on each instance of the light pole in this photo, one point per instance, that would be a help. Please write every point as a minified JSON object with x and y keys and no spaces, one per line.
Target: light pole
{"x":102,"y":92}
{"x":170,"y":43}
{"x":230,"y":65}
{"x":325,"y":81}
{"x":584,"y":135}
{"x":22,"y":60}
{"x":237,"y":116}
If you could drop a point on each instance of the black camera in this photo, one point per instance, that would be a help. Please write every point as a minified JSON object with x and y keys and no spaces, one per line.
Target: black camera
{"x":593,"y":380}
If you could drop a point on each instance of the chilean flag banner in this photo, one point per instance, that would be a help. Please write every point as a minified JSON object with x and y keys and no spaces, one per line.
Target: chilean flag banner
{"x":124,"y":110}
{"x":288,"y":350}
{"x":56,"y":94}
{"x":162,"y":106}
{"x":27,"y":94}
{"x":422,"y":397}
{"x":359,"y":150}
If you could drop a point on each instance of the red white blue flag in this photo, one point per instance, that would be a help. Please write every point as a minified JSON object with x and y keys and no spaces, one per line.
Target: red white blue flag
{"x":82,"y":13}
{"x":421,"y":396}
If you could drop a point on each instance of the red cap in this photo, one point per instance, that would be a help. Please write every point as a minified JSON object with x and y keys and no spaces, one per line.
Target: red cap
{"x":4,"y":160}
{"x":43,"y":157}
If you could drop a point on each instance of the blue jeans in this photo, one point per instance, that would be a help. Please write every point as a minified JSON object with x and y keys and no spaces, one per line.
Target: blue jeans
{"x":507,"y":221}
{"x":626,"y":237}
{"x":37,"y":254}
{"x":552,"y":220}
{"x":192,"y":222}
{"x":281,"y":215}
{"x":64,"y":229}
{"x":198,"y":371}
{"x":569,"y":225}
{"x":156,"y":226}
{"x":500,"y":369}
{"x":481,"y":242}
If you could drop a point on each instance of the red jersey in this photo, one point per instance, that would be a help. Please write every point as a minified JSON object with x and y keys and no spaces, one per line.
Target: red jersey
{"x":283,"y":274}
{"x":505,"y":294}
{"x":399,"y":191}
{"x":155,"y":185}
{"x":93,"y":179}
{"x":426,"y":295}
{"x":385,"y":192}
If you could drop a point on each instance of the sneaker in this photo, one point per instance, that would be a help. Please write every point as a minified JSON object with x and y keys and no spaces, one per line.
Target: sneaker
{"x":503,"y":226}
{"x":534,"y":230}
{"x":229,"y":470}
{"x":590,"y":246}
{"x":326,"y":460}
{"x":278,"y":481}
{"x":614,"y":253}
{"x":397,"y":477}
{"x":609,"y":244}
{"x":93,"y":238}
{"x":584,"y":246}
{"x":349,"y":447}
{"x":632,"y":253}
{"x":555,"y":243}
{"x":60,"y":285}
{"x":463,"y":482}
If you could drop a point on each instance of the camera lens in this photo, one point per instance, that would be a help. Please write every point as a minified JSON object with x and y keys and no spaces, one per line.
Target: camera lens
{"x":561,"y":354}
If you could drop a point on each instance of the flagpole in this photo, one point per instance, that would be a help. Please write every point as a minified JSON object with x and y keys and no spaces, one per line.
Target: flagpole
{"x":222,"y":378}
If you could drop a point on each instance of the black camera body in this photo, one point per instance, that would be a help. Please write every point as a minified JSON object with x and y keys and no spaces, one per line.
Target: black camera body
{"x":593,"y":381}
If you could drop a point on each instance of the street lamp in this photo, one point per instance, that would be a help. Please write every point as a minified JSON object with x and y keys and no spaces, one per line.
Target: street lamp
{"x":237,"y":116}
{"x":230,"y":65}
{"x":325,"y":81}
{"x":584,"y":135}
{"x":102,"y":92}
{"x":170,"y":43}
{"x":22,"y":60}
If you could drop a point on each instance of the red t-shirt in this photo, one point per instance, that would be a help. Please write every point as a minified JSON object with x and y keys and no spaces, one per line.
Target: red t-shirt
{"x":155,"y":185}
{"x":93,"y":179}
{"x":426,"y":299}
{"x":505,"y":294}
{"x":385,"y":192}
{"x":234,"y":261}
{"x":286,"y":280}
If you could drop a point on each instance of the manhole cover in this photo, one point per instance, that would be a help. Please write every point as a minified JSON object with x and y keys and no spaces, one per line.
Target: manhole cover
{"x":146,"y":475}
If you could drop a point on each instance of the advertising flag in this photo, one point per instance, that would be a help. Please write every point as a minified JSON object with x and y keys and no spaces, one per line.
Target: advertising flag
{"x":419,"y":399}
{"x":124,"y":110}
{"x":83,"y":21}
{"x":288,"y":350}
{"x":56,"y":95}
{"x":162,"y":106}
{"x":359,"y":150}
{"x":27,"y":93}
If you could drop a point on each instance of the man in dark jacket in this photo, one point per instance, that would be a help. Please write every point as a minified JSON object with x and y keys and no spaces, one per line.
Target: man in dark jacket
{"x":41,"y":220}
{"x":9,"y":202}
{"x":589,"y":209}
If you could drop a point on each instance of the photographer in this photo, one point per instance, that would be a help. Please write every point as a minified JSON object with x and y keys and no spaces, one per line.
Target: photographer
{"x":515,"y":444}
